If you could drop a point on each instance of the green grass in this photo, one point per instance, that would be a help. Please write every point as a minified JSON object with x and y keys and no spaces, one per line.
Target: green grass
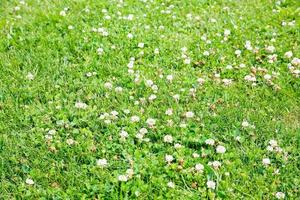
{"x":46,"y":68}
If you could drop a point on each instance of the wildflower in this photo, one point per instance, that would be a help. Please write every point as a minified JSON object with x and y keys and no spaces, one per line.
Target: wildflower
{"x":266,"y":161}
{"x":199,"y":168}
{"x":51,"y":132}
{"x":141,"y":45}
{"x":108,"y":85}
{"x":211,"y":185}
{"x":171,"y":185}
{"x":135,"y":118}
{"x":288,"y":54}
{"x":150,"y":122}
{"x":189,"y":114}
{"x":220,"y":149}
{"x":100,"y":51}
{"x":118,"y":89}
{"x":267,"y":76}
{"x":200,"y":81}
{"x":273,"y":143}
{"x":168,"y":139}
{"x":129,"y":173}
{"x":237,"y":52}
{"x":81,"y":105}
{"x":30,"y":76}
{"x":245,"y":124}
{"x":176,"y":97}
{"x":169,"y":158}
{"x":187,"y":61}
{"x":122,"y":178}
{"x":177,"y":146}
{"x":270,"y":49}
{"x":130,"y":36}
{"x":210,"y":142}
{"x":70,"y":141}
{"x":170,"y":77}
{"x":226,"y":32}
{"x":29,"y":181}
{"x":102,"y":162}
{"x":280,"y":195}
{"x":206,"y":53}
{"x":195,"y":155}
{"x":169,"y":111}
{"x":123,"y":134}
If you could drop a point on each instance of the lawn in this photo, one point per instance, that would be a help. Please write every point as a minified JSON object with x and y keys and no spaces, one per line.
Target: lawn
{"x":150,"y":99}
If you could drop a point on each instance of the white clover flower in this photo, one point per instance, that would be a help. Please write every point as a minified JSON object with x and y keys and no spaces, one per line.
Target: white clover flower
{"x":118,"y":89}
{"x":273,"y":143}
{"x":267,"y":76}
{"x":216,"y":164}
{"x":270,"y":49}
{"x":248,"y":45}
{"x":206,"y":53}
{"x":288,"y":54}
{"x":211,"y":185}
{"x":63,"y":13}
{"x":70,"y":27}
{"x":150,"y":122}
{"x":114,"y":113}
{"x":270,"y":148}
{"x":130,"y":64}
{"x":129,"y":173}
{"x":135,"y":118}
{"x":149,"y":83}
{"x":250,"y":78}
{"x":177,"y":146}
{"x":210,"y":142}
{"x":220,"y":149}
{"x":170,"y":77}
{"x":296,"y":61}
{"x":154,"y":88}
{"x":156,"y":51}
{"x":280,"y":195}
{"x":51,"y":132}
{"x":187,"y":61}
{"x":139,"y":136}
{"x":169,"y":158}
{"x":81,"y":105}
{"x":101,"y":162}
{"x":70,"y":141}
{"x":100,"y":51}
{"x":168,"y":139}
{"x":122,"y":178}
{"x":195,"y":155}
{"x":29,"y":181}
{"x":266,"y":161}
{"x":108,"y":85}
{"x":238,"y":52}
{"x":171,"y":185}
{"x":201,"y":81}
{"x":141,"y":45}
{"x":152,"y":97}
{"x":245,"y":124}
{"x":130,"y":35}
{"x":189,"y":114}
{"x":169,"y":111}
{"x":143,"y":131}
{"x":30,"y":76}
{"x":226,"y":32}
{"x":227,"y":81}
{"x":176,"y":97}
{"x":199,"y":168}
{"x":123,"y":134}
